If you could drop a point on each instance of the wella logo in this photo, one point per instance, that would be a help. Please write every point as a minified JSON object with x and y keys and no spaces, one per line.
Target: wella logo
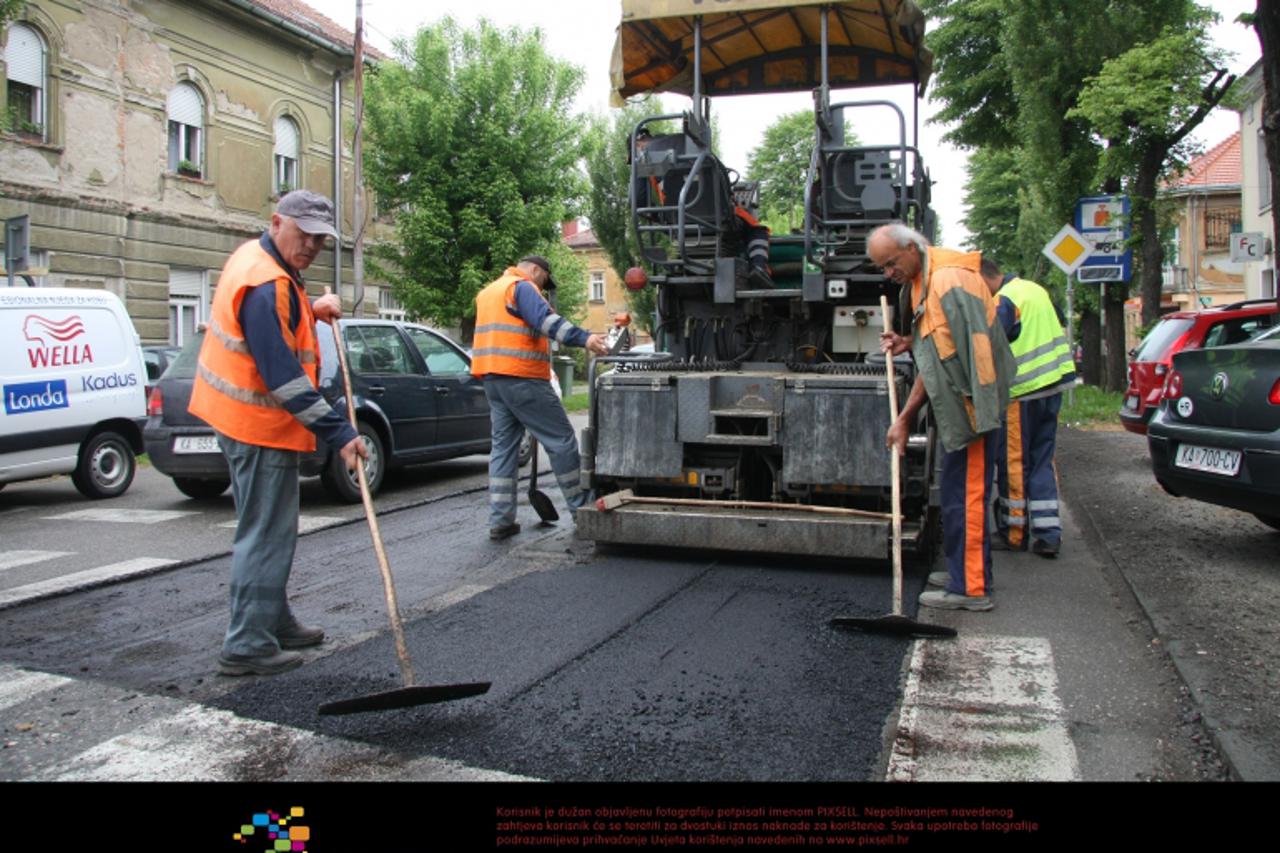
{"x":55,"y":341}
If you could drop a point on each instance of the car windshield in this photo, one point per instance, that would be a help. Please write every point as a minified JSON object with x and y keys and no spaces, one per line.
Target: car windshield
{"x":1157,"y":341}
{"x":1271,"y":334}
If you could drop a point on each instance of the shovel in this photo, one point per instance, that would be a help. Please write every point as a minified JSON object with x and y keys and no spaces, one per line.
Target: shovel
{"x":541,"y":503}
{"x":894,"y":623}
{"x":410,"y":694}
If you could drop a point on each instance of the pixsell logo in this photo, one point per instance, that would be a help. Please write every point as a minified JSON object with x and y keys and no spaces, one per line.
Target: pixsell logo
{"x":275,"y":833}
{"x":53,"y":342}
{"x":35,"y":397}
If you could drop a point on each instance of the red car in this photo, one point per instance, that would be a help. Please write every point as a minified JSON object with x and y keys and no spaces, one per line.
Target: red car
{"x":1181,"y":330}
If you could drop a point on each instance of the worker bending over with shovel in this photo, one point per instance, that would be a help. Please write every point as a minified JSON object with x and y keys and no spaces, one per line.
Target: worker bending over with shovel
{"x":964,"y":368}
{"x":511,"y":352}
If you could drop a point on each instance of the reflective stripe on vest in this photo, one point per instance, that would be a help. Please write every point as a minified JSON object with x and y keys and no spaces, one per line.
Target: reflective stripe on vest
{"x":228,"y":393}
{"x":503,"y":344}
{"x":1041,"y":351}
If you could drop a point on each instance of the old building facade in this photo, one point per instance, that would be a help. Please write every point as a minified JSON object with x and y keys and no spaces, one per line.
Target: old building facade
{"x":1256,"y":201}
{"x":605,"y":295}
{"x":1207,"y":199}
{"x":146,"y":139}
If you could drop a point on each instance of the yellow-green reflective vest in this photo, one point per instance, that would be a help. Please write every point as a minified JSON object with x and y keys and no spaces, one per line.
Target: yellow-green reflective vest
{"x":1041,"y":351}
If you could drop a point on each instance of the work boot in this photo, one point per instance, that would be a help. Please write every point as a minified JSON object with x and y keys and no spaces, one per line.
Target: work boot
{"x":940,"y":579}
{"x":258,"y":664}
{"x":1045,"y":549}
{"x":760,"y":278}
{"x":504,"y":531}
{"x":299,"y":636}
{"x":944,"y":600}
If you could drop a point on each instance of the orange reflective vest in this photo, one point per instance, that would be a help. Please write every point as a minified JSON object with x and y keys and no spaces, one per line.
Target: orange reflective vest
{"x":228,"y":393}
{"x":504,"y":344}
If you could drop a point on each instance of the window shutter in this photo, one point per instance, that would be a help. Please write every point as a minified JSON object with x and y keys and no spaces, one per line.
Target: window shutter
{"x":24,"y":56}
{"x":185,"y":282}
{"x":186,"y":106}
{"x":286,"y":138}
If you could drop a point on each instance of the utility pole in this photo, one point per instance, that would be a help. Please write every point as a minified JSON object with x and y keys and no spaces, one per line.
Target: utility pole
{"x":357,"y":201}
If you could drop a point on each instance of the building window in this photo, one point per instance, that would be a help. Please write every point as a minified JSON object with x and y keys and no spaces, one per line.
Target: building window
{"x":25,"y":62}
{"x":36,"y":260}
{"x":597,"y":287}
{"x":1267,"y":285}
{"x":388,"y":307}
{"x":286,"y":156}
{"x":1219,"y":225}
{"x":1264,"y":174}
{"x":186,"y":129}
{"x":188,"y":303}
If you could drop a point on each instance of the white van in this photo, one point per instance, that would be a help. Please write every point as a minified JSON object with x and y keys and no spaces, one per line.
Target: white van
{"x":72,"y":376}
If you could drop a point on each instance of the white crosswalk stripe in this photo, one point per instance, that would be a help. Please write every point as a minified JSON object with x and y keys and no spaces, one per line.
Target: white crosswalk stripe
{"x":306,"y":523}
{"x":82,"y":579}
{"x":19,"y":685}
{"x":983,"y":708}
{"x":122,"y":516}
{"x":13,"y":559}
{"x":206,"y":744}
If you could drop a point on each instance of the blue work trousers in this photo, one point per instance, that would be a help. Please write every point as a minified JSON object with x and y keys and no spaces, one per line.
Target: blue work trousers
{"x":517,"y":404}
{"x":264,"y":483}
{"x":966,"y":494}
{"x":1027,"y":480}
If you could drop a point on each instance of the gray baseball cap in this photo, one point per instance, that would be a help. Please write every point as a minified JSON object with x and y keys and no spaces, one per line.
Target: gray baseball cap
{"x":540,"y":261}
{"x":311,"y":211}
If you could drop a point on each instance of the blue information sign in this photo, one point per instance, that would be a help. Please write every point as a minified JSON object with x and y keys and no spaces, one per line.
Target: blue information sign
{"x":1104,"y":221}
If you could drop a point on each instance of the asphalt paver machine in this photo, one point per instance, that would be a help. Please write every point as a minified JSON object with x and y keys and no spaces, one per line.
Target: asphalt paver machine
{"x":759,"y":424}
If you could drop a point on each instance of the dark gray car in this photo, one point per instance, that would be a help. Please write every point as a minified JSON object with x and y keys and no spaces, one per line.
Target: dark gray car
{"x":1216,"y":436}
{"x":416,"y":401}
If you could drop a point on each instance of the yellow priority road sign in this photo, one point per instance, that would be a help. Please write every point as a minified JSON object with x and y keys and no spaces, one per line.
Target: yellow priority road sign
{"x":1068,"y":249}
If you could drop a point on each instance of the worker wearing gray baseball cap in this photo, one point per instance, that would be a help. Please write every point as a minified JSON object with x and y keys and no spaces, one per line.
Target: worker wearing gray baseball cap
{"x":256,"y":385}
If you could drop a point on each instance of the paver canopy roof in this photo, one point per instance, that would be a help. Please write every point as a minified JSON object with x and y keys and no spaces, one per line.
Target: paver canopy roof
{"x":754,"y":46}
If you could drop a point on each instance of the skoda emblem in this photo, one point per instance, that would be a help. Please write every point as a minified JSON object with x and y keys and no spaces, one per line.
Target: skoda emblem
{"x":1219,"y":386}
{"x":1185,"y":406}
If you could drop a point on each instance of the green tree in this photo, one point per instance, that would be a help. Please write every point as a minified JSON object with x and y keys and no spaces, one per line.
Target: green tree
{"x":9,"y":10}
{"x":1144,"y":102}
{"x":781,"y":164}
{"x":971,"y":76}
{"x":991,"y":198}
{"x":608,"y":203}
{"x":472,"y":142}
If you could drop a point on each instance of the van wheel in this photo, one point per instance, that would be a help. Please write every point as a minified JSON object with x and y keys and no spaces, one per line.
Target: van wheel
{"x":343,"y":483}
{"x":106,"y":466}
{"x":199,"y":489}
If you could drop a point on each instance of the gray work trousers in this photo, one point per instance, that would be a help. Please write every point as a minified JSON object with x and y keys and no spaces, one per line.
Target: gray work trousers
{"x":264,"y":483}
{"x":517,"y":404}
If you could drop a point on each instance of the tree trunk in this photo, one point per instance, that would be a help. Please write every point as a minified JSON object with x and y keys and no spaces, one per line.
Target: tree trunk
{"x":1117,"y":355}
{"x":1152,"y":253}
{"x":1267,"y":23}
{"x":1090,"y":344}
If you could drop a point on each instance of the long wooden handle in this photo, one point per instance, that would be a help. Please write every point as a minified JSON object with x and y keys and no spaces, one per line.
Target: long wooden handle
{"x":388,"y":586}
{"x":895,"y":488}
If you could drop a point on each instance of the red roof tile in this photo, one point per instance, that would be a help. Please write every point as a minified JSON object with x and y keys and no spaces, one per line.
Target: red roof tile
{"x":583,"y":239}
{"x":303,"y":16}
{"x":1219,"y":166}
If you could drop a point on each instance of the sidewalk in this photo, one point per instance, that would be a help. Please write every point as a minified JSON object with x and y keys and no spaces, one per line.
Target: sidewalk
{"x":1064,"y":680}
